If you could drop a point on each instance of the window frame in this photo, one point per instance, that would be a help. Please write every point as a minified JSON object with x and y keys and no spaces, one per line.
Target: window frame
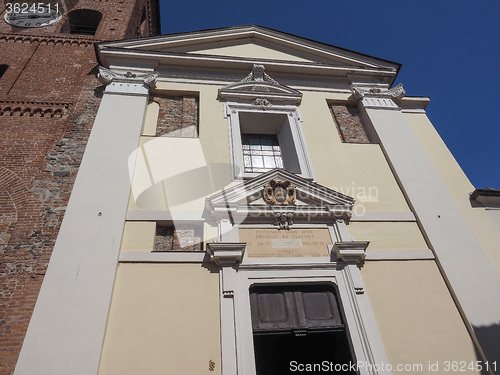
{"x":290,"y":130}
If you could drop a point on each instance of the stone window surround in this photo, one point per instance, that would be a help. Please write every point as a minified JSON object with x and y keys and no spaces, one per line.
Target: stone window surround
{"x":232,"y":111}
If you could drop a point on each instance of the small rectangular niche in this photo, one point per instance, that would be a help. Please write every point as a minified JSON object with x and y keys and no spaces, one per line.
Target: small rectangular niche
{"x":349,"y":124}
{"x":175,"y":238}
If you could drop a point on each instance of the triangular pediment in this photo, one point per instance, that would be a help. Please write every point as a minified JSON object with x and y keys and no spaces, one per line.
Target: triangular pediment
{"x":250,"y":48}
{"x":259,"y":87}
{"x":312,"y":202}
{"x":249,"y":43}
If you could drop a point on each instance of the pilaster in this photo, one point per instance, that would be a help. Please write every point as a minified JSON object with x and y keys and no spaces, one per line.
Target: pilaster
{"x":466,"y":267}
{"x":227,"y":256}
{"x":66,"y":332}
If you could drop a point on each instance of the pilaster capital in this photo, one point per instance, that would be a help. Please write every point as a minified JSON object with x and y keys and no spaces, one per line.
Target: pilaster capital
{"x":375,"y":97}
{"x":226,"y":253}
{"x":127,"y":83}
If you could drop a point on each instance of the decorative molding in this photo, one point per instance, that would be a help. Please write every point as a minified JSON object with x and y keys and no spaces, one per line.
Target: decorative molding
{"x":260,"y":89}
{"x":49,"y":39}
{"x":422,"y":254}
{"x":384,"y":216}
{"x":33,"y":108}
{"x":161,"y":215}
{"x":127,"y":83}
{"x":396,"y":92}
{"x":163,"y":257}
{"x":107,"y":76}
{"x":376,"y":97}
{"x":350,"y":252}
{"x":226,"y":253}
{"x":318,"y":204}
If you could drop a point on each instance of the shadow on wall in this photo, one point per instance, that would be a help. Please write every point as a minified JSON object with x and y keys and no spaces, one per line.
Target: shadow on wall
{"x":489,"y":339}
{"x":187,"y":186}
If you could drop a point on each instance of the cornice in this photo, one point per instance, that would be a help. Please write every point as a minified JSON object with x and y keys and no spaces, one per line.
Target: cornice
{"x":308,"y":46}
{"x":202,"y":64}
{"x":41,"y":38}
{"x":34,"y":108}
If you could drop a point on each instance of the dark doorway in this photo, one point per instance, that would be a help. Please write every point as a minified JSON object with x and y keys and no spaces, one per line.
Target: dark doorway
{"x":298,"y":328}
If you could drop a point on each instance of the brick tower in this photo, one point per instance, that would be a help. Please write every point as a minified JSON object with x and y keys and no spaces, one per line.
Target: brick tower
{"x":49,"y":95}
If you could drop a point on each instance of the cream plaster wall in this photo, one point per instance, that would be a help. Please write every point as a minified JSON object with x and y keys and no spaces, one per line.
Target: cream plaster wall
{"x":250,"y":50}
{"x":151,"y":119}
{"x":416,"y":317}
{"x":178,"y":173}
{"x":139,"y":236}
{"x":360,"y":171}
{"x":164,"y":319}
{"x":357,"y":170}
{"x":388,"y":235}
{"x":482,"y":224}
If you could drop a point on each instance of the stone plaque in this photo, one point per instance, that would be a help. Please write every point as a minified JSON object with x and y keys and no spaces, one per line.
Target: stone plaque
{"x":290,"y":243}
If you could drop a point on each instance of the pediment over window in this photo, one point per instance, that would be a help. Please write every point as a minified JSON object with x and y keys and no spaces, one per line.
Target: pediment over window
{"x":259,"y":88}
{"x":252,"y":200}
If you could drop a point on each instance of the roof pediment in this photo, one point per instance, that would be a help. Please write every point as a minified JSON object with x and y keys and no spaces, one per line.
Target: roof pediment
{"x":249,"y":200}
{"x":254,"y":44}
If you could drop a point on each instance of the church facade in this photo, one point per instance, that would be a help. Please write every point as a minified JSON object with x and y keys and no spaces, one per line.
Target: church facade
{"x":253,"y":202}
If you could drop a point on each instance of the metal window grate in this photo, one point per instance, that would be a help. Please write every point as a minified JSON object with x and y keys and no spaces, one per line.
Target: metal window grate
{"x":261,"y":152}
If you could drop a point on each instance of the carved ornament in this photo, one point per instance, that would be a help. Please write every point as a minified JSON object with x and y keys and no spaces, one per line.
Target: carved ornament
{"x":262,"y":103}
{"x":107,"y":76}
{"x":283,"y":220}
{"x":260,"y":89}
{"x":396,"y":92}
{"x":279,"y":192}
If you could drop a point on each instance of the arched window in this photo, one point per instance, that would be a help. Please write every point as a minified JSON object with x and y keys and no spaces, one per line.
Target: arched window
{"x":3,"y":69}
{"x":82,"y":21}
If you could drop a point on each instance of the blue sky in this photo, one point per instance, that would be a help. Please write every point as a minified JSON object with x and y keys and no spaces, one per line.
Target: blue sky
{"x":450,"y":51}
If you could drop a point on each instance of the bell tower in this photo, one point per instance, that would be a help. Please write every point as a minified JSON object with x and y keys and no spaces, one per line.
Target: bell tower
{"x":49,"y":95}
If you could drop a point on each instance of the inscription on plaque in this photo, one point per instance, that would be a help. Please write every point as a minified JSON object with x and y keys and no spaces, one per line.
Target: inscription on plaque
{"x":280,"y":243}
{"x":291,"y":243}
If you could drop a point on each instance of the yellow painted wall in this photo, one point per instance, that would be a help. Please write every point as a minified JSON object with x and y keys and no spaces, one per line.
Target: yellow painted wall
{"x":357,"y":170}
{"x":416,"y":317}
{"x":138,"y":236}
{"x":481,"y":223}
{"x":178,"y":173}
{"x":164,"y":319}
{"x":151,"y":120}
{"x":388,"y":235}
{"x":252,"y":50}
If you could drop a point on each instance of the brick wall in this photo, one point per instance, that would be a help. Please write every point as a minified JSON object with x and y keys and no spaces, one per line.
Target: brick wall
{"x":49,"y":97}
{"x":169,"y":238}
{"x":121,"y":19}
{"x":178,"y":116}
{"x":349,"y":124}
